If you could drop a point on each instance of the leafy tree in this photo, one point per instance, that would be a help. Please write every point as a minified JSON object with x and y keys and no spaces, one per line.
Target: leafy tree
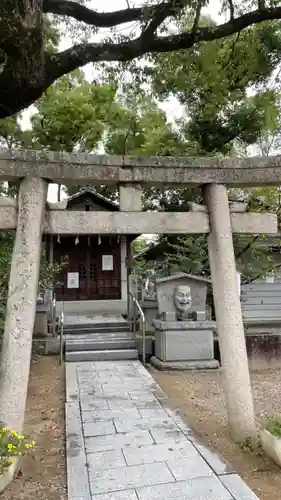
{"x":28,"y":67}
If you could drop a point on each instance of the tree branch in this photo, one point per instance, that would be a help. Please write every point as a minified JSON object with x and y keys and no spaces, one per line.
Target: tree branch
{"x":79,"y":55}
{"x":160,"y":14}
{"x":100,"y":19}
{"x":231,"y":9}
{"x":197,"y":17}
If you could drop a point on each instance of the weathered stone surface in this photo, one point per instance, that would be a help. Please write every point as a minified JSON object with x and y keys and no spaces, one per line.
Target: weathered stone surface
{"x":21,"y":302}
{"x":145,"y":424}
{"x":159,"y":453}
{"x":211,"y":364}
{"x":77,"y":222}
{"x":237,"y":487}
{"x":102,"y":460}
{"x":82,"y":168}
{"x":117,"y":495}
{"x":208,"y":488}
{"x":99,"y":429}
{"x":165,"y":291}
{"x":91,"y":403}
{"x":72,"y":389}
{"x":212,"y":458}
{"x":111,"y":442}
{"x":189,"y":468}
{"x":163,"y":435}
{"x":193,"y":345}
{"x":129,"y":477}
{"x":103,"y":415}
{"x":161,"y":464}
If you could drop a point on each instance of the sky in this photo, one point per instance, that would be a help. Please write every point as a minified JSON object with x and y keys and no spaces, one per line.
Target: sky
{"x":172,"y":107}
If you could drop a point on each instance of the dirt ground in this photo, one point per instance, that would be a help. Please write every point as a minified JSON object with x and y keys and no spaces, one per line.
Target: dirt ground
{"x":42,"y":474}
{"x":200,"y":397}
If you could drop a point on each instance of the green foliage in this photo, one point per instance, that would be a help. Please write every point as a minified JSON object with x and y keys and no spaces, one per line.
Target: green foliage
{"x":273,"y":425}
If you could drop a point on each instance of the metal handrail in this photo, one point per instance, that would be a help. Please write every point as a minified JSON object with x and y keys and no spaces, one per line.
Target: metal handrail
{"x":61,"y":332}
{"x":54,"y":308}
{"x":136,"y":302}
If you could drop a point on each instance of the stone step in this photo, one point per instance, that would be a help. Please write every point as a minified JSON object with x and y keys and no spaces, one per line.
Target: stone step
{"x":99,"y":345}
{"x":109,"y":355}
{"x":81,"y":329}
{"x":99,"y":336}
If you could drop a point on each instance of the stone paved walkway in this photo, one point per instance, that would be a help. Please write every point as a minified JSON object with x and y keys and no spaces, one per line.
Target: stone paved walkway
{"x":124,"y":442}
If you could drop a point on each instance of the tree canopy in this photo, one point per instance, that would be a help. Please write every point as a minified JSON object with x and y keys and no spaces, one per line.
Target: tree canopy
{"x":30,"y":60}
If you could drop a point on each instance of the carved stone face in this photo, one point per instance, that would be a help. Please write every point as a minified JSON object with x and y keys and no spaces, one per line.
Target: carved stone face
{"x":182,"y":298}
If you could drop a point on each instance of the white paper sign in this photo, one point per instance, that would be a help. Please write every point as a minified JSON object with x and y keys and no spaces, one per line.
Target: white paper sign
{"x":238,"y":278}
{"x":107,"y":262}
{"x":72,"y":280}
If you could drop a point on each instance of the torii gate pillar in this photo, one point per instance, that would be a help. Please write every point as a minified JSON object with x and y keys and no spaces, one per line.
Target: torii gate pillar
{"x":229,"y":321}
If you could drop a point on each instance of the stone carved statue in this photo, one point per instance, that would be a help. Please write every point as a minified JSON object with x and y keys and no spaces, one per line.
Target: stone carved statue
{"x":182,"y":299}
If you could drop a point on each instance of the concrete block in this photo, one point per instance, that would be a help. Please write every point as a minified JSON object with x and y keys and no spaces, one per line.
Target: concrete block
{"x":184,"y":345}
{"x":209,"y":488}
{"x":189,"y":468}
{"x":72,"y":389}
{"x":159,"y":453}
{"x":129,"y":477}
{"x":99,"y":429}
{"x":102,"y":460}
{"x":77,"y":475}
{"x":103,"y":415}
{"x":237,"y":487}
{"x":117,"y":441}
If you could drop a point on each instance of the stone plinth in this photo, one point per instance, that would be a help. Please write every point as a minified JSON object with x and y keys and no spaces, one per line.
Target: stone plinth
{"x":188,"y":343}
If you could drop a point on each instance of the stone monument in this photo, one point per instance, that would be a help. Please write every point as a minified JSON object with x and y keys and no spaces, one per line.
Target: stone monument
{"x":183,"y":335}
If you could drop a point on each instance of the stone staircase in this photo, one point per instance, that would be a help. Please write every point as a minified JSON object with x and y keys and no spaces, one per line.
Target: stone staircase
{"x":94,"y":341}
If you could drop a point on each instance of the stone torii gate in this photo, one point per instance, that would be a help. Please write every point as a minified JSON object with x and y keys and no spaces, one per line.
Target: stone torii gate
{"x":31,"y":216}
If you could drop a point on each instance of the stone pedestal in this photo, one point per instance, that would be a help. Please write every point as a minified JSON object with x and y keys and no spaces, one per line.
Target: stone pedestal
{"x":184,"y":345}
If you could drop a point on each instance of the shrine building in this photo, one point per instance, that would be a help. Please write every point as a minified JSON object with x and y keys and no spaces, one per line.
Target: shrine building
{"x":94,"y":280}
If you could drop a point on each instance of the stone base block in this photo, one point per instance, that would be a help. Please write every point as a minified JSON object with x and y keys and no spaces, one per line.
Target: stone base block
{"x":184,"y":345}
{"x":211,"y":364}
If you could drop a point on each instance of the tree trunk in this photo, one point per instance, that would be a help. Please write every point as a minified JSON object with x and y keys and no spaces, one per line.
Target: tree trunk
{"x":21,"y":304}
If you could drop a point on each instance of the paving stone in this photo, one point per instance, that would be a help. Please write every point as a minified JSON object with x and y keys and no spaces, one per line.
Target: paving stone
{"x":142,"y":396}
{"x":237,"y":487}
{"x":89,"y":403}
{"x":182,"y":425}
{"x":103,"y":415}
{"x":129,"y":477}
{"x":145,"y":424}
{"x":117,"y":495}
{"x":99,"y":429}
{"x":162,"y":435}
{"x":77,"y":475}
{"x":118,"y":403}
{"x":207,"y":488}
{"x":212,"y":458}
{"x":72,"y":388}
{"x":117,"y":441}
{"x":74,"y":436}
{"x":159,"y":453}
{"x":158,"y":412}
{"x":189,"y":468}
{"x":102,"y":460}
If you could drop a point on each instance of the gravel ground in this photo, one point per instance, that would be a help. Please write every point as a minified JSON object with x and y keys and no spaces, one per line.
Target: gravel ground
{"x":42,"y":474}
{"x":200,"y":397}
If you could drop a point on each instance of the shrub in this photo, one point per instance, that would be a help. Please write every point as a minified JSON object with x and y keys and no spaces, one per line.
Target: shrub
{"x":12,"y":445}
{"x":273,"y":425}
